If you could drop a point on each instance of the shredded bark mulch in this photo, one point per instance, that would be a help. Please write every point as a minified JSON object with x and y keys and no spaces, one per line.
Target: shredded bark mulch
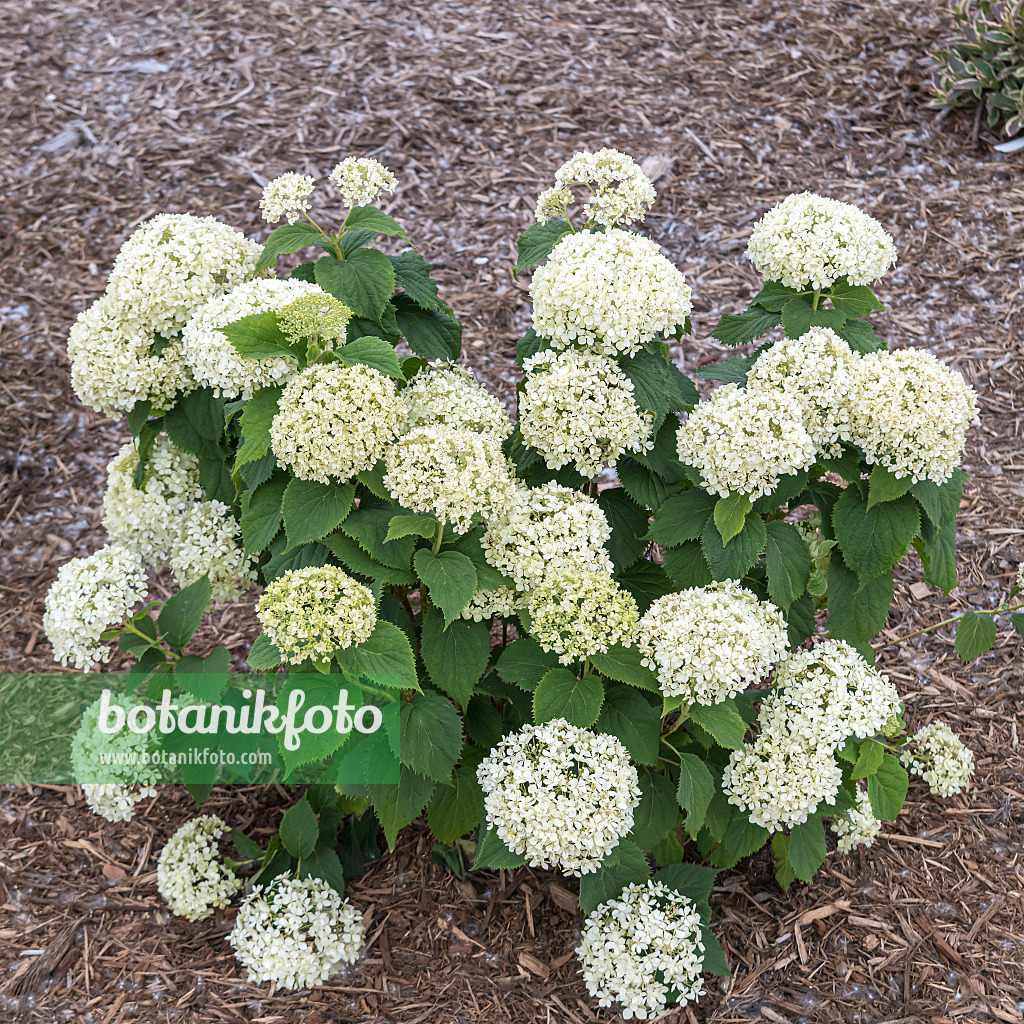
{"x":112,"y":112}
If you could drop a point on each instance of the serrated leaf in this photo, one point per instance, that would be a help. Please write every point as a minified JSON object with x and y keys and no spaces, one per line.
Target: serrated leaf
{"x":429,"y":332}
{"x":645,"y":582}
{"x":399,"y":805}
{"x":293,"y":558}
{"x":798,"y":318}
{"x":941,"y":502}
{"x":686,"y":565}
{"x":734,"y":560}
{"x":431,"y":735}
{"x":372,"y":352}
{"x":975,"y":634}
{"x":455,"y":657}
{"x":853,"y":300}
{"x":695,"y":790}
{"x":534,"y":245}
{"x":733,"y":370}
{"x":264,"y":655}
{"x":807,"y":848}
{"x":741,"y":838}
{"x":887,"y":788}
{"x":364,"y":281}
{"x":204,"y":678}
{"x":261,"y":519}
{"x":258,"y":337}
{"x":369,"y":526}
{"x":860,"y":336}
{"x":869,"y":759}
{"x":693,"y":880}
{"x":1017,"y":621}
{"x":723,"y":721}
{"x":524,"y":663}
{"x":856,"y":614}
{"x":323,"y":863}
{"x":369,"y":218}
{"x":629,"y":524}
{"x":491,"y":852}
{"x":626,"y":863}
{"x":560,"y":694}
{"x":939,"y":554}
{"x":874,"y":539}
{"x":730,"y":515}
{"x":412,"y":275}
{"x":628,"y":715}
{"x":196,"y":423}
{"x":773,"y":296}
{"x":386,"y":652}
{"x":411,"y":526}
{"x":456,"y":809}
{"x":883,"y":486}
{"x":180,"y":616}
{"x":682,"y":517}
{"x":622,"y":664}
{"x":745,"y":327}
{"x":788,"y":563}
{"x":287,"y":238}
{"x":299,"y":831}
{"x":311,"y":510}
{"x":257,"y":416}
{"x":655,"y":816}
{"x":317,"y":688}
{"x":784,"y":873}
{"x":645,"y":487}
{"x":450,"y":578}
{"x":649,"y":374}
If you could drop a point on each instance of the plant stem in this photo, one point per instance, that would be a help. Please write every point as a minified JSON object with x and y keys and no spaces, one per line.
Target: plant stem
{"x":437,"y":541}
{"x":817,"y":297}
{"x":138,"y":632}
{"x":945,"y":622}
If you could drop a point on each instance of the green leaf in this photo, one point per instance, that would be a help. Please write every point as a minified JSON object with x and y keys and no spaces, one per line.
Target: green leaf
{"x":645,"y":487}
{"x":693,"y":880}
{"x":373,"y":352}
{"x":883,"y":486}
{"x":299,"y":830}
{"x":941,"y":502}
{"x":887,"y":788}
{"x":450,"y":577}
{"x":386,"y":652}
{"x":655,"y":816}
{"x":180,"y":617}
{"x":714,"y":955}
{"x":373,"y":480}
{"x":860,"y":336}
{"x":429,"y":332}
{"x":663,"y":458}
{"x":455,"y":657}
{"x":623,"y":665}
{"x":939,"y":554}
{"x":203,"y":677}
{"x":261,"y":519}
{"x":649,"y":374}
{"x":317,"y":688}
{"x":196,"y":423}
{"x":561,"y":695}
{"x":687,"y":566}
{"x":311,"y":510}
{"x":369,"y":218}
{"x":807,"y":848}
{"x":869,"y":759}
{"x":264,"y":655}
{"x":323,"y":863}
{"x":455,"y":810}
{"x":537,"y":241}
{"x":773,"y":296}
{"x":364,"y":281}
{"x":681,"y":391}
{"x":746,"y":327}
{"x":854,"y":300}
{"x":645,"y":582}
{"x":742,"y":838}
{"x":399,"y":805}
{"x":723,"y":721}
{"x":411,"y":526}
{"x":975,"y":634}
{"x":355,"y":559}
{"x":412,"y":275}
{"x":734,"y":560}
{"x":258,"y":414}
{"x":798,"y":318}
{"x":728,"y":371}
{"x":731,"y":515}
{"x":288,"y":238}
{"x":492,"y":853}
{"x":784,"y":873}
{"x":626,"y":863}
{"x":788,"y":563}
{"x":294,"y":558}
{"x":258,"y":336}
{"x":244,"y":846}
{"x":629,"y":524}
{"x":529,"y":345}
{"x":524,"y":663}
{"x":682,"y":517}
{"x":874,"y":539}
{"x":856,"y":614}
{"x":695,"y":790}
{"x":369,"y":526}
{"x":431,"y":735}
{"x":259,"y":472}
{"x":628,"y":715}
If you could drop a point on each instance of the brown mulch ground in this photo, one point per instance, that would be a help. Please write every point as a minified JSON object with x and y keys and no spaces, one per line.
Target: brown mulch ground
{"x":113,"y":111}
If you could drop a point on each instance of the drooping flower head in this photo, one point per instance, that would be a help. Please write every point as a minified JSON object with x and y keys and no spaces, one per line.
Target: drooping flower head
{"x":314,"y":612}
{"x":286,"y":197}
{"x":810,"y":240}
{"x":362,"y":179}
{"x":559,"y":795}
{"x":451,"y":395}
{"x":620,"y":192}
{"x":857,"y":826}
{"x":940,"y":758}
{"x":191,"y":874}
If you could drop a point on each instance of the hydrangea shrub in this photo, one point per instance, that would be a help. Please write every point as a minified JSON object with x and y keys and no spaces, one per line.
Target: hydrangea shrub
{"x":633,"y":629}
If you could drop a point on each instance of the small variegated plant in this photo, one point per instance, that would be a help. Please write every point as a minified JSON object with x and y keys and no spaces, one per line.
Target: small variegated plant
{"x":631,"y":632}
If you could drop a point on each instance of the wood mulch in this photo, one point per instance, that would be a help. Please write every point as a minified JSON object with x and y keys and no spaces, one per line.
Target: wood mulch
{"x":113,"y":111}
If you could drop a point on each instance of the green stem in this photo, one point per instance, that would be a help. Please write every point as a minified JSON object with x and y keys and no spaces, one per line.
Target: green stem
{"x":138,"y":632}
{"x":586,"y":668}
{"x":945,"y":622}
{"x":817,"y":297}
{"x":437,"y":541}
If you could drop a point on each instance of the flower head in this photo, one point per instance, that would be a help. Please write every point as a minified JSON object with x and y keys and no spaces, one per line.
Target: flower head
{"x":362,"y":179}
{"x":579,"y":408}
{"x":451,"y":395}
{"x":190,"y":874}
{"x":88,"y":597}
{"x":709,"y":643}
{"x":207,"y":540}
{"x":810,"y":240}
{"x":314,"y":612}
{"x":610,"y":292}
{"x":503,"y":602}
{"x":317,"y":316}
{"x":620,"y":191}
{"x":940,"y":758}
{"x":286,"y":197}
{"x":580,"y":613}
{"x":552,"y":203}
{"x":642,"y":950}
{"x":452,"y":474}
{"x":334,"y":421}
{"x":857,"y":826}
{"x":295,"y":932}
{"x":559,"y":795}
{"x":744,"y":441}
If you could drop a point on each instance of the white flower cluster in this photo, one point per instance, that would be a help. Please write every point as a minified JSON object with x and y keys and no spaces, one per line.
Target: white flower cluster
{"x":452,"y":396}
{"x":815,"y":370}
{"x":610,"y":292}
{"x":286,"y":197}
{"x":858,"y":826}
{"x":318,"y":317}
{"x":215,"y":362}
{"x":910,"y":412}
{"x":88,"y":597}
{"x":621,"y":192}
{"x":125,"y":348}
{"x":334,"y":421}
{"x":577,"y":614}
{"x":812,"y":240}
{"x":709,"y":643}
{"x":486,"y":604}
{"x":822,"y":697}
{"x":744,"y":441}
{"x":552,"y":203}
{"x":313,"y":612}
{"x":642,"y":949}
{"x":559,"y":795}
{"x":1020,"y":576}
{"x":190,"y":874}
{"x":362,"y":179}
{"x":452,"y":474}
{"x":296,"y":932}
{"x":167,"y":523}
{"x":940,"y":758}
{"x":117,"y":757}
{"x":547,"y":529}
{"x":577,"y":407}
